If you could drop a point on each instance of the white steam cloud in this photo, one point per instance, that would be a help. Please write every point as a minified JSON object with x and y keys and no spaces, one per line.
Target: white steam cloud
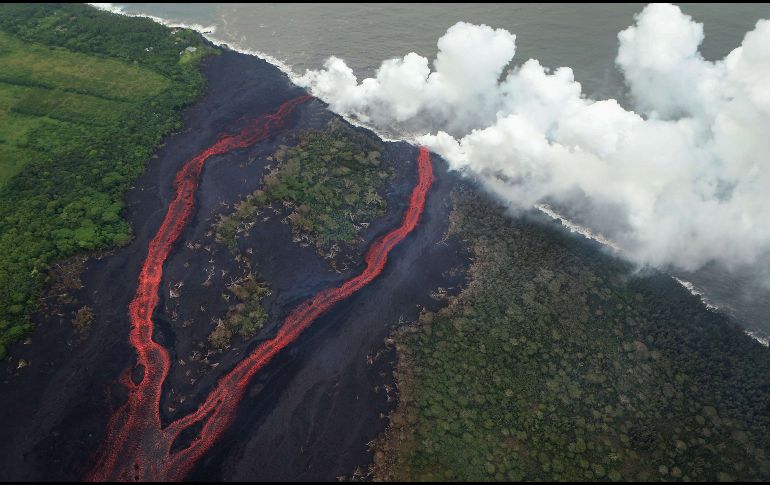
{"x":681,"y":181}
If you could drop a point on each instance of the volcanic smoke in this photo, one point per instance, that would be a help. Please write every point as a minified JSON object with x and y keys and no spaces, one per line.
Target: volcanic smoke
{"x":679,"y":182}
{"x":137,"y":447}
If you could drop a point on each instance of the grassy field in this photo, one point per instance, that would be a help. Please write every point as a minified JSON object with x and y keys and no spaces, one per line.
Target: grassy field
{"x":86,"y":97}
{"x":52,"y":89}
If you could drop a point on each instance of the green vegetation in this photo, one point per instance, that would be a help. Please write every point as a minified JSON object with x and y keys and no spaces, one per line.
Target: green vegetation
{"x":63,"y":95}
{"x":330,"y":180}
{"x":84,"y":319}
{"x":85,"y":98}
{"x":329,"y":184}
{"x":245,"y":317}
{"x":556,"y":364}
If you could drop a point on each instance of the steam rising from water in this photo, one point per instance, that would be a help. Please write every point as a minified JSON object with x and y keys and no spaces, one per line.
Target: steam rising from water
{"x":681,"y":181}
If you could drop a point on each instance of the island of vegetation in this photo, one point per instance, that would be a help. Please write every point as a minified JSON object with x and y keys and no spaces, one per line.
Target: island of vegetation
{"x":328,"y":188}
{"x":328,"y":185}
{"x":85,"y":99}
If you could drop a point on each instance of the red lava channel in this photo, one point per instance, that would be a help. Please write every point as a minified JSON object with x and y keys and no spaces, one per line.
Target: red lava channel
{"x":136,"y":446}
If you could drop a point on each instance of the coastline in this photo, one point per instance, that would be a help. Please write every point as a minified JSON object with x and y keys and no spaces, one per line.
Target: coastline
{"x":208,"y":32}
{"x":309,"y":414}
{"x":710,"y":305}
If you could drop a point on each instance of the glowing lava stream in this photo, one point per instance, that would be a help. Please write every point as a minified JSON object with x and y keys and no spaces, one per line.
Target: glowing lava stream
{"x":137,"y":447}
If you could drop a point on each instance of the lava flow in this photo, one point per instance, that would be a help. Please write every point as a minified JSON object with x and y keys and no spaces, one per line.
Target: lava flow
{"x":137,"y":447}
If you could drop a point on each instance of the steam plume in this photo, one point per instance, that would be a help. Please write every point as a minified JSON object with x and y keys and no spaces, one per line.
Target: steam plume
{"x":682,"y":180}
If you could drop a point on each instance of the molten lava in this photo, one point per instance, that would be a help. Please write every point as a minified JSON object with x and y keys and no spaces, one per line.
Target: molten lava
{"x":137,"y":447}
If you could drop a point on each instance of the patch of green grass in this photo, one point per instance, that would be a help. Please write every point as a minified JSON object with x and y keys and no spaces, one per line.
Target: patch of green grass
{"x":14,"y":159}
{"x":42,"y":88}
{"x":29,"y":64}
{"x":69,"y":107}
{"x":193,"y":56}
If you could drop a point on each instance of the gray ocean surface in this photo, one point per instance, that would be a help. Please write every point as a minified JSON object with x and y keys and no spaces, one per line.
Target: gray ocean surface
{"x":583,"y":37}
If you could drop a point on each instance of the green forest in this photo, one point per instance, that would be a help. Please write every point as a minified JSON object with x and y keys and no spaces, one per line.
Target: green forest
{"x":557,"y":363}
{"x":85,"y":99}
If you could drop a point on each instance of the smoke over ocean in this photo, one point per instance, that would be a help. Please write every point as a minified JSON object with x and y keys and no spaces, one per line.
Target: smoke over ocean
{"x":680,"y":181}
{"x":670,"y":175}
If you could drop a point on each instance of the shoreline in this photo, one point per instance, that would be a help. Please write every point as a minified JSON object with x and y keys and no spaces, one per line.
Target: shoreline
{"x":304,"y":416}
{"x":724,"y":310}
{"x":752,"y":329}
{"x":208,"y":33}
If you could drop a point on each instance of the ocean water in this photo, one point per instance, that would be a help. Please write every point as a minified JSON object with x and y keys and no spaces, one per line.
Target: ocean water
{"x":583,"y":37}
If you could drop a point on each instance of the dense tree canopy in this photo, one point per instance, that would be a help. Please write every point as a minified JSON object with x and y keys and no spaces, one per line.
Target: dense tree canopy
{"x":558,"y":363}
